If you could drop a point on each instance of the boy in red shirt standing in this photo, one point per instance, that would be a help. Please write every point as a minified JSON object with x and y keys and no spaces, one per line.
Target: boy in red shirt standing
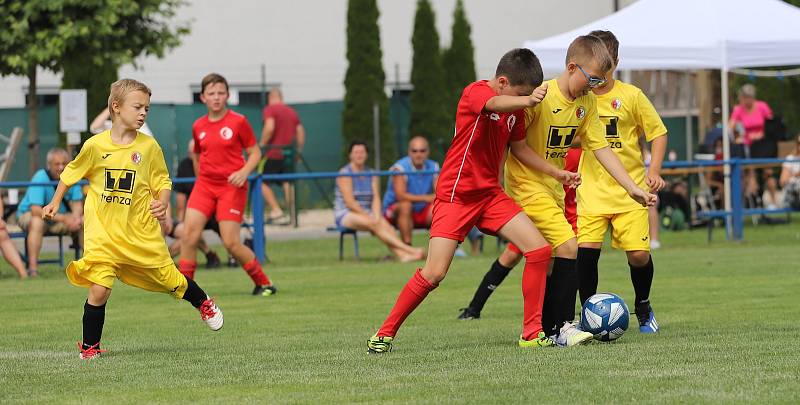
{"x":221,"y":187}
{"x":489,"y":120}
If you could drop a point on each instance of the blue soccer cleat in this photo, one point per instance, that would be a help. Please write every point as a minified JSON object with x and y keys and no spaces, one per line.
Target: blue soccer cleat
{"x":647,"y":319}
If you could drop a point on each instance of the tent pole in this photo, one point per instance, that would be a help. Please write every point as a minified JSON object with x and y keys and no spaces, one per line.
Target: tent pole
{"x":726,"y":145}
{"x":689,"y":137}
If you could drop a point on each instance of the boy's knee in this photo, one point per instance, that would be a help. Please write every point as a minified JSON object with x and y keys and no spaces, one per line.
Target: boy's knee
{"x":638,"y":258}
{"x":509,"y":258}
{"x":568,"y":249}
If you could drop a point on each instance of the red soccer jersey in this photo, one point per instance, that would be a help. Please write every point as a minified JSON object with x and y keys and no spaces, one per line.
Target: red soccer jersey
{"x":472,"y":164}
{"x":286,"y":122}
{"x":220,"y":144}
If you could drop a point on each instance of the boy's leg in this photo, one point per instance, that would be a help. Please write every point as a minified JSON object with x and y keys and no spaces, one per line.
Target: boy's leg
{"x":630,"y":233}
{"x":193,"y":224}
{"x":521,"y":232}
{"x":491,"y":280}
{"x":424,"y":280}
{"x":94,"y":316}
{"x":229,"y":231}
{"x":591,"y":232}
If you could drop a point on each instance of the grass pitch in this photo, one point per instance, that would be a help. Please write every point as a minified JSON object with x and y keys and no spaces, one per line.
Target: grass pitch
{"x":728,"y":313}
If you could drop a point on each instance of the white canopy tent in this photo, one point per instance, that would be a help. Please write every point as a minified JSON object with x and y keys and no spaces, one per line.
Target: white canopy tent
{"x":693,"y":34}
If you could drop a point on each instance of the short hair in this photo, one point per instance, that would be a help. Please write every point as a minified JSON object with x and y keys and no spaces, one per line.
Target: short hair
{"x":121,"y":88}
{"x":521,"y":67}
{"x":52,"y":152}
{"x":610,"y":41}
{"x":418,"y":137}
{"x":355,"y":143}
{"x":748,"y":90}
{"x":212,"y":78}
{"x":587,"y":48}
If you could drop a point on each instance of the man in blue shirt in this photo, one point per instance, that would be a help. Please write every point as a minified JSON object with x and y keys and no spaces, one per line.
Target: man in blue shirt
{"x":68,"y":220}
{"x":408,"y":200}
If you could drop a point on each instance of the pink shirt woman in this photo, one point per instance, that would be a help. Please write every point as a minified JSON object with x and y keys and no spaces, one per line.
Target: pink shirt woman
{"x":751,"y":114}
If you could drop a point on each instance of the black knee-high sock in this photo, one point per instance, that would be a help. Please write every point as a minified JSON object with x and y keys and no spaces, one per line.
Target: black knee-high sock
{"x":549,"y":307}
{"x":587,"y":272}
{"x":642,"y":279}
{"x":568,"y":286}
{"x":493,"y":278}
{"x":194,"y":294}
{"x":93,"y":319}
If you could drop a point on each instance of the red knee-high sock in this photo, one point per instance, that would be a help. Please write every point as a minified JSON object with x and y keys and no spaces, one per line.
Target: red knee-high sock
{"x":410,"y":297}
{"x":256,"y":273}
{"x":534,"y":278}
{"x":512,"y":247}
{"x":187,"y":267}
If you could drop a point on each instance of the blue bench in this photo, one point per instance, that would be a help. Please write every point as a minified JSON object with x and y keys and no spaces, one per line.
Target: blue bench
{"x":722,"y":214}
{"x":60,"y":260}
{"x":342,"y":233}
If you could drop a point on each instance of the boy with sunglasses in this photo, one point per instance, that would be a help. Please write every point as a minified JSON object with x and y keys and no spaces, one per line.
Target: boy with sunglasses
{"x":568,"y":110}
{"x":627,"y":115}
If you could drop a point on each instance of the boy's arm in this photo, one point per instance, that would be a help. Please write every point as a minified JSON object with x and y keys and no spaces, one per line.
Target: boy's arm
{"x":239,"y":177}
{"x":528,"y":157}
{"x":158,"y":208}
{"x":267,"y":131}
{"x":614,"y":167}
{"x":49,"y":211}
{"x":505,"y":103}
{"x":657,"y":149}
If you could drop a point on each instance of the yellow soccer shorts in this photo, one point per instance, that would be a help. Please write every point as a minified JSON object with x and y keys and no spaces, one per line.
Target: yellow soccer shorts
{"x":629,"y":230}
{"x":165,"y":279}
{"x":547,"y":214}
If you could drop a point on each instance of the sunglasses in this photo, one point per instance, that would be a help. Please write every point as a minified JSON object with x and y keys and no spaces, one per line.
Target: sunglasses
{"x":418,"y":150}
{"x":593,"y":81}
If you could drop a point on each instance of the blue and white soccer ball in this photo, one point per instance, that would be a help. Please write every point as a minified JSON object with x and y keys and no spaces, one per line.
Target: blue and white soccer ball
{"x":605,"y":316}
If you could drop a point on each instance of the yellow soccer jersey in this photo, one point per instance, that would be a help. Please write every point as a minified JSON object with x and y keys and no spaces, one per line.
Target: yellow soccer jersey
{"x":123,"y":180}
{"x":550,"y":128}
{"x":626,"y":114}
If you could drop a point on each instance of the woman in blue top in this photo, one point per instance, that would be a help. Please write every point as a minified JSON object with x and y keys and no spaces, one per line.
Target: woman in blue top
{"x":358,"y":205}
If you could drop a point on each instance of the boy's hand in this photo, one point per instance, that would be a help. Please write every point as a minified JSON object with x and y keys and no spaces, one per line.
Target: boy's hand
{"x":49,"y":212}
{"x":538,"y":94}
{"x":643,"y":197}
{"x":655,"y":182}
{"x":237,"y":178}
{"x":158,"y":210}
{"x":567,"y":178}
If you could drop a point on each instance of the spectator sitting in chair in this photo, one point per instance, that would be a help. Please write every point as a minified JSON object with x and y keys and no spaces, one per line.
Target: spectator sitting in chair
{"x":68,"y":220}
{"x":408,"y":201}
{"x":790,"y":179}
{"x":358,"y":205}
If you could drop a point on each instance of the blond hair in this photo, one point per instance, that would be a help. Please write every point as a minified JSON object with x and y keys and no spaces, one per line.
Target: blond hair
{"x":121,"y":88}
{"x":588,"y":48}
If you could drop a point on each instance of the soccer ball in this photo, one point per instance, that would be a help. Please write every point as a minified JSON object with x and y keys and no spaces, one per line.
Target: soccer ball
{"x":605,"y":316}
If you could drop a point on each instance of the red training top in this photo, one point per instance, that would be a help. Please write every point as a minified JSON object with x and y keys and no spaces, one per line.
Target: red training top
{"x":471,"y":167}
{"x":286,"y":122}
{"x":570,"y":204}
{"x":220,"y":144}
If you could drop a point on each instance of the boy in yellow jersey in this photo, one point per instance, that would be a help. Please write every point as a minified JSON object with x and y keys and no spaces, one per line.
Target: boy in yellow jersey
{"x":129,"y":190}
{"x":627,"y":115}
{"x":568,"y":110}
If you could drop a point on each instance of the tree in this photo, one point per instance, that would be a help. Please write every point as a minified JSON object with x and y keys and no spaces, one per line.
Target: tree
{"x":430,"y":115}
{"x":48,"y":33}
{"x":459,"y":59}
{"x":365,"y":80}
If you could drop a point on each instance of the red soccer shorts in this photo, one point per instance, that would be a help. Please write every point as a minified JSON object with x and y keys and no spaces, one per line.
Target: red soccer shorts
{"x":420,"y":218}
{"x":454,"y":220}
{"x":222,"y":199}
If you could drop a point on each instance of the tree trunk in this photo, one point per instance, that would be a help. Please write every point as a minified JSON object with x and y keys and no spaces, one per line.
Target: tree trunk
{"x":33,"y":123}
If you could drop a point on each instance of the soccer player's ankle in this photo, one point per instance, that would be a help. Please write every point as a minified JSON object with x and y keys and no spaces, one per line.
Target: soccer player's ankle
{"x":187,"y":267}
{"x":194,"y":294}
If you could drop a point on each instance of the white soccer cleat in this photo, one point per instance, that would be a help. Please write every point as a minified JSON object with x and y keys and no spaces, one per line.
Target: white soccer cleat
{"x":211,"y":314}
{"x":570,"y":335}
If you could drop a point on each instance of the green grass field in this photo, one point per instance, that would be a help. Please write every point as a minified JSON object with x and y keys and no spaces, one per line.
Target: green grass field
{"x":727,"y":310}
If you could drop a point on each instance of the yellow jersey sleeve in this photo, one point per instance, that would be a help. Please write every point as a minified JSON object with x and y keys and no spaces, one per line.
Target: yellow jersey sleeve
{"x":647,"y":118}
{"x":592,"y":131}
{"x":79,"y":167}
{"x":159,"y":176}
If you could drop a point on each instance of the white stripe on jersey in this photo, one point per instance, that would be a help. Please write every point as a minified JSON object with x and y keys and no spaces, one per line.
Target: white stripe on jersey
{"x":464,"y":159}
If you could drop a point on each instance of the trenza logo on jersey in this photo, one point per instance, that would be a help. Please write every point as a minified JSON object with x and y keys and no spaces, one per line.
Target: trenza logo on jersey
{"x":118,"y":181}
{"x":559,"y":139}
{"x":226,"y":133}
{"x":612,"y":133}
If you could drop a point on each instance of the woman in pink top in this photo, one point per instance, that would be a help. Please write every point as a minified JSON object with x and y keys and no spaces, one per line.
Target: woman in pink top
{"x":751,"y":115}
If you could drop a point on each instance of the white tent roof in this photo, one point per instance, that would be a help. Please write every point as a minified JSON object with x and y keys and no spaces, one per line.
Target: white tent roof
{"x":691,"y":34}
